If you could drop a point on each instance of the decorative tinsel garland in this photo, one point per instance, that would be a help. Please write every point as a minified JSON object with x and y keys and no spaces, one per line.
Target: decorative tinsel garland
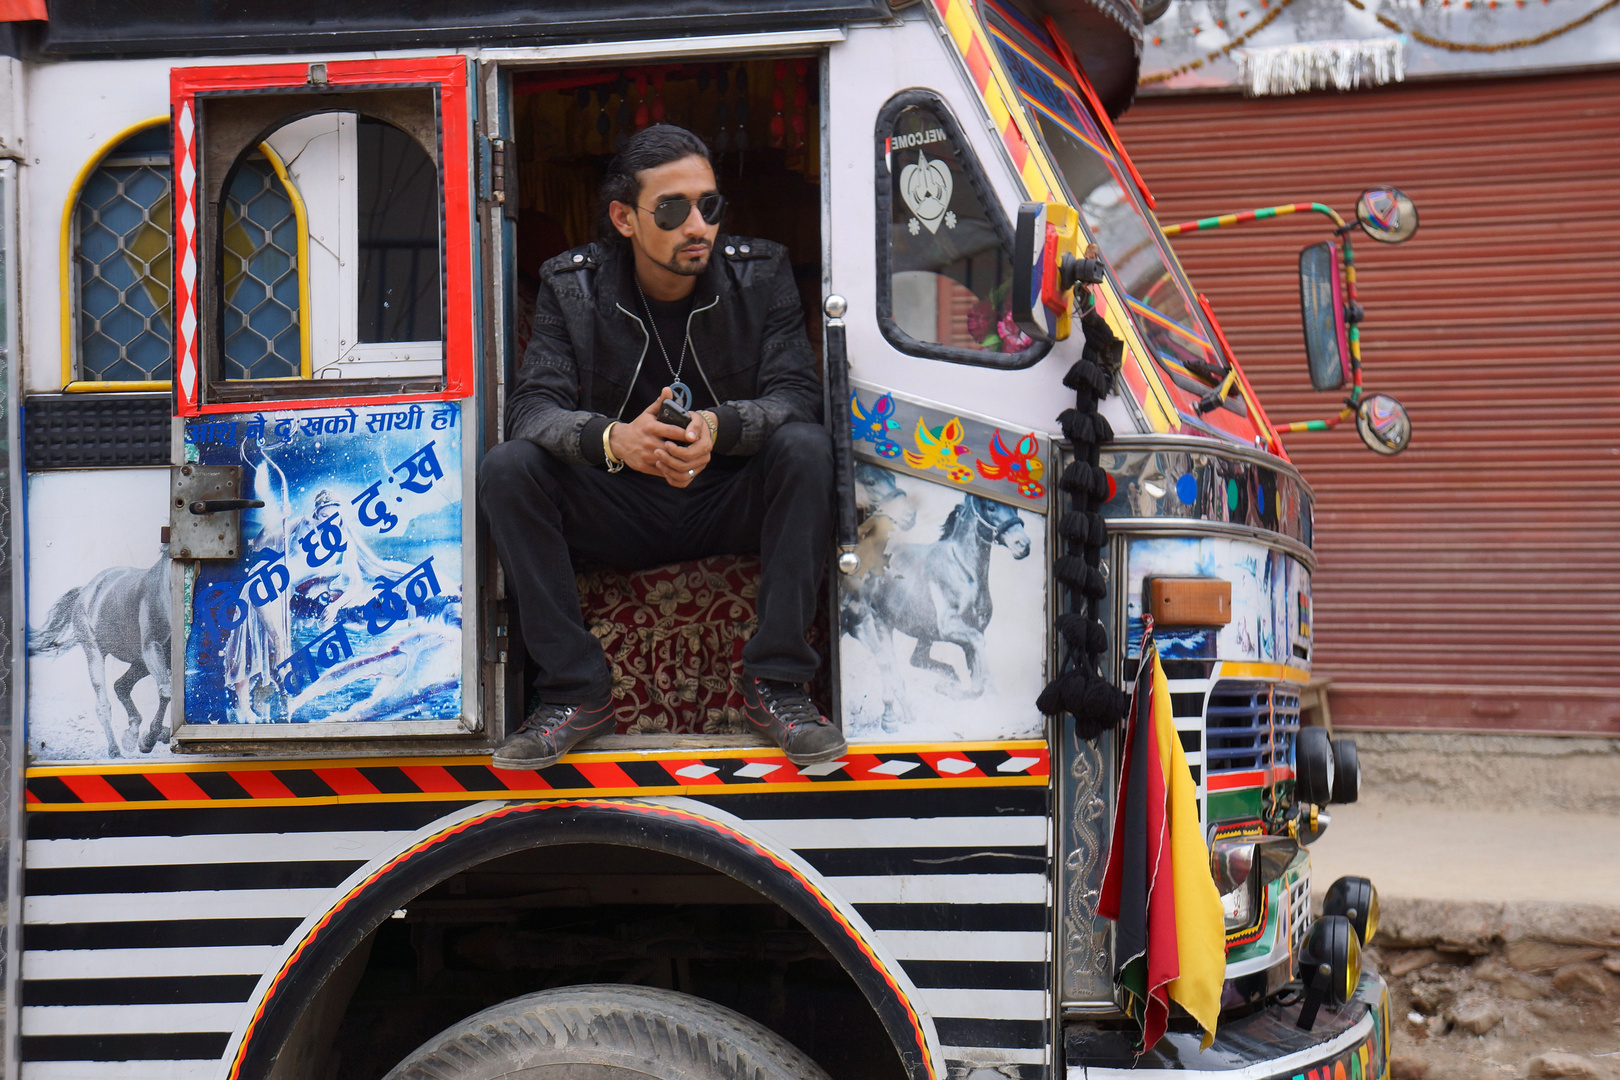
{"x":1081,"y":689}
{"x":1388,"y":24}
{"x":1318,"y":65}
{"x":1237,"y":42}
{"x":1501,"y":46}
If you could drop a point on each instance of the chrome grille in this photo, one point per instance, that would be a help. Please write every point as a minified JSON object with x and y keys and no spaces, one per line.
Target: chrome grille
{"x":1299,"y":909}
{"x":1250,"y":725}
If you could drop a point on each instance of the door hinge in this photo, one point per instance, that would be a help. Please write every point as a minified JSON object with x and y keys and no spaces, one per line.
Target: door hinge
{"x":497,"y":188}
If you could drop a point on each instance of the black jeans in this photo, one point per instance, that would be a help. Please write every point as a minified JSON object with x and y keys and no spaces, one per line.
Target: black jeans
{"x":543,"y":514}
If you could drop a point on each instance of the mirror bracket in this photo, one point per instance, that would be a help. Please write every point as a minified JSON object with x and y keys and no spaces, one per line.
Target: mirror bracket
{"x":1047,"y":265}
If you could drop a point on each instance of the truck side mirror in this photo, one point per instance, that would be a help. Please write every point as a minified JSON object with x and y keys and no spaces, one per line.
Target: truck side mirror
{"x":1383,"y":425}
{"x":1321,"y":308}
{"x":1387,"y":214}
{"x":1047,"y":265}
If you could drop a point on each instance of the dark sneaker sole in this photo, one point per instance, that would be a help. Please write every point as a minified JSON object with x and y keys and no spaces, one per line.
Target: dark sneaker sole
{"x":527,"y":764}
{"x":820,"y":756}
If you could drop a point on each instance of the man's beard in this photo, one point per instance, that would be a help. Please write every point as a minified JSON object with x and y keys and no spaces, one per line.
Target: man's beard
{"x":689,"y":267}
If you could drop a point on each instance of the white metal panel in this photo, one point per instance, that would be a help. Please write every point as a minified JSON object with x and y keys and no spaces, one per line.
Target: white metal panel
{"x":906,"y":832}
{"x":209,"y":848}
{"x":119,"y":1070}
{"x":143,"y":907}
{"x":942,"y":889}
{"x":873,"y":65}
{"x":128,"y":1019}
{"x":1011,"y":945}
{"x":148,"y":963}
{"x":988,"y":1004}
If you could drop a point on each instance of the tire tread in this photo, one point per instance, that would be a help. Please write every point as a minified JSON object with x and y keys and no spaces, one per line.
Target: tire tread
{"x":683,"y":1037}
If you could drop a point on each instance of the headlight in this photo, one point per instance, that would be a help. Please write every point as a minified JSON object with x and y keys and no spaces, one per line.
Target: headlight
{"x":1346,"y":771}
{"x":1329,"y":966}
{"x":1357,"y":900}
{"x":1313,"y":766}
{"x":1242,"y":867}
{"x":1238,"y":906}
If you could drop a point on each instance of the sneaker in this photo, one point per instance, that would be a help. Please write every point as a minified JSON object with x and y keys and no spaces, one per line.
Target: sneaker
{"x":784,"y":713}
{"x":550,"y":731}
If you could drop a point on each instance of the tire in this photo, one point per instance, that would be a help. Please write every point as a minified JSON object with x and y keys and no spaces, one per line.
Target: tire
{"x":1346,"y":771}
{"x":607,"y":1032}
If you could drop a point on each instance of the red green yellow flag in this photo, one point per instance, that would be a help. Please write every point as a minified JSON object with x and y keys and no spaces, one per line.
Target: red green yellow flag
{"x":1170,"y":942}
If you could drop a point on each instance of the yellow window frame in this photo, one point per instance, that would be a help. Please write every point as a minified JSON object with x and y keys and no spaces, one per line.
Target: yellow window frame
{"x":69,"y":295}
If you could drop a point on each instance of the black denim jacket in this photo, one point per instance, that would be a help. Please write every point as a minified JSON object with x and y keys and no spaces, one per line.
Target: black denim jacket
{"x":745,"y":335}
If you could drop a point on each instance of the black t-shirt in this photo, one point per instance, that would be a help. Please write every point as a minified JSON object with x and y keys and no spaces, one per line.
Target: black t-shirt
{"x":669,"y":316}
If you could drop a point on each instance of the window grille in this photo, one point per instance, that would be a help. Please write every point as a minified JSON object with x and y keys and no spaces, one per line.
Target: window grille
{"x":261,"y":276}
{"x":122,"y":263}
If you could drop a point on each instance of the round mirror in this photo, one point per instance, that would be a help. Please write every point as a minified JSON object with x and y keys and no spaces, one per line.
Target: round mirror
{"x":1383,"y":425}
{"x":1387,"y":214}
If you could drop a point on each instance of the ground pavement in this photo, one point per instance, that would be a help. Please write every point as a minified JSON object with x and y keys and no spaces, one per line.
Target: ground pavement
{"x":1498,"y":864}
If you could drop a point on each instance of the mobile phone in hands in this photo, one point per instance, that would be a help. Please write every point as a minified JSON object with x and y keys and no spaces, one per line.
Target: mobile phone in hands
{"x":673,"y":415}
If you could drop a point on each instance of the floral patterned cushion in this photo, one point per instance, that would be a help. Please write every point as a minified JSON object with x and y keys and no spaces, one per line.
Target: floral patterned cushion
{"x":674,"y":636}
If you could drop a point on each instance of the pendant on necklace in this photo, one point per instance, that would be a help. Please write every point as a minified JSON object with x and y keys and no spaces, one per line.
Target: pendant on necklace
{"x":683,"y":394}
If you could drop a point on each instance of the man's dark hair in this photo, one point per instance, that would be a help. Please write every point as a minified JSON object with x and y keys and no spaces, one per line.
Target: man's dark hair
{"x":648,"y":148}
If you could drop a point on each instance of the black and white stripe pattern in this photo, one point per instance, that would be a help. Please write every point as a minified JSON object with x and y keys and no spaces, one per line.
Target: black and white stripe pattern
{"x":146,"y":934}
{"x":956,"y":887}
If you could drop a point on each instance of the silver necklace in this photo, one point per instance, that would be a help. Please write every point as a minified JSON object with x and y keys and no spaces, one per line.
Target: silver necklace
{"x":683,"y":393}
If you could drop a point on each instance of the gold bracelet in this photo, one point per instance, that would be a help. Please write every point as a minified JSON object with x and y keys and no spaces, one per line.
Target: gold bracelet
{"x":613,"y":462}
{"x":714,"y":425}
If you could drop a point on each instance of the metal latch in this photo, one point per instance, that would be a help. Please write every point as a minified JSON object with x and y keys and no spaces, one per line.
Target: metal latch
{"x":205,"y":502}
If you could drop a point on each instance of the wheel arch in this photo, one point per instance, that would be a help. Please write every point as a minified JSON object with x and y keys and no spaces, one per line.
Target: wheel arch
{"x":675,"y":826}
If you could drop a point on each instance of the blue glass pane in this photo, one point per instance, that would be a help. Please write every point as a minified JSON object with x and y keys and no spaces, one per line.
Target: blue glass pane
{"x":261,"y":316}
{"x":121,"y":262}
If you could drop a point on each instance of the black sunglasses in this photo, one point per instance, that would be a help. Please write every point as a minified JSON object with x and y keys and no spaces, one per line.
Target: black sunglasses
{"x":671,"y":214}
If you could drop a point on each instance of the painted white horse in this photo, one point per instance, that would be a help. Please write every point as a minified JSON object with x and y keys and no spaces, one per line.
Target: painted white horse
{"x":936,"y":592}
{"x":123,"y":613}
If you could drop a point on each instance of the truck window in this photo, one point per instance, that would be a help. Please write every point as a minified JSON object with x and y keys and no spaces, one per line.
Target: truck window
{"x":1159,"y":297}
{"x":362,"y":299}
{"x":370,"y":193}
{"x":944,"y":244}
{"x":262,"y":270}
{"x":118,"y":334}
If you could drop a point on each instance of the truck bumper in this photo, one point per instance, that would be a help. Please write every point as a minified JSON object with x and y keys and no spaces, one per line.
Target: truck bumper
{"x":1349,"y":1043}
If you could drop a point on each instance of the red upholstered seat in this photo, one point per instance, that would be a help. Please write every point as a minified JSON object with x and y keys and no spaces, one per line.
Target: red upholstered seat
{"x":674,"y":636}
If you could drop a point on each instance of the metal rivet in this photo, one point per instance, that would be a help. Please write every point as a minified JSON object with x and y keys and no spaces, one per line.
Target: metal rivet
{"x":730,"y":250}
{"x":579,"y":258}
{"x":745,"y":249}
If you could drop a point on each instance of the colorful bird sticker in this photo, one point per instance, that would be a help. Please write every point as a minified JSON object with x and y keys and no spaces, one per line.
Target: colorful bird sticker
{"x":1022,"y":467}
{"x":938,"y":449}
{"x":874,"y":427}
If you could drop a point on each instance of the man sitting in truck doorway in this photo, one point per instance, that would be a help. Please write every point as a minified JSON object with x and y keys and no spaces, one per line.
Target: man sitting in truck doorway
{"x":663,"y":308}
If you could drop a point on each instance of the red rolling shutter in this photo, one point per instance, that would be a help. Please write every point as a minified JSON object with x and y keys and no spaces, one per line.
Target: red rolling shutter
{"x":1472,"y":583}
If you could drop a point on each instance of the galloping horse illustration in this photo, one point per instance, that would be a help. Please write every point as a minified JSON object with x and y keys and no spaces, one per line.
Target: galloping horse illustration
{"x":123,"y":613}
{"x":936,"y":592}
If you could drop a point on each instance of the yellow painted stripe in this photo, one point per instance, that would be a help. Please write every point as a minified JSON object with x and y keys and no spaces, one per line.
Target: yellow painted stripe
{"x":1232,"y":669}
{"x":546,"y":794}
{"x":1040,"y":179}
{"x":588,"y":758}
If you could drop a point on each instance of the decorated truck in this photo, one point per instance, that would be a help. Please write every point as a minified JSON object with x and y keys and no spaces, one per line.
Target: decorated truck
{"x":269,"y":272}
